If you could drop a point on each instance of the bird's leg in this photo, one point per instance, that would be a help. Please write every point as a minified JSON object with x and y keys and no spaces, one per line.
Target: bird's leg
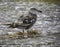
{"x":27,"y":33}
{"x":23,"y":33}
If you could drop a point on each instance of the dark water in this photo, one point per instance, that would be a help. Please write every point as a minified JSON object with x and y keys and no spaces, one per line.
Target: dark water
{"x":48,"y":23}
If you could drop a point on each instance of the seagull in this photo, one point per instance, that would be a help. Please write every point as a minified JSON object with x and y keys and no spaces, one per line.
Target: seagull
{"x":26,"y":22}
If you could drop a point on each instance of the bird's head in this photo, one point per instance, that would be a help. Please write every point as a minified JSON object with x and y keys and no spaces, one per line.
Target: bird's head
{"x":35,"y":11}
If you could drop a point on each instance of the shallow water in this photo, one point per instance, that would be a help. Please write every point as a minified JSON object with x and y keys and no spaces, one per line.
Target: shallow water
{"x":48,"y":23}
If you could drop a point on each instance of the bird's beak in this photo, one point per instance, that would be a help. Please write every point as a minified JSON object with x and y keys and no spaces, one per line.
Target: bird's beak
{"x":39,"y":11}
{"x":36,"y":10}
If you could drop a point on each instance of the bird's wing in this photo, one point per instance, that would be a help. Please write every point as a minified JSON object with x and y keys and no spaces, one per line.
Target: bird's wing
{"x":29,"y":19}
